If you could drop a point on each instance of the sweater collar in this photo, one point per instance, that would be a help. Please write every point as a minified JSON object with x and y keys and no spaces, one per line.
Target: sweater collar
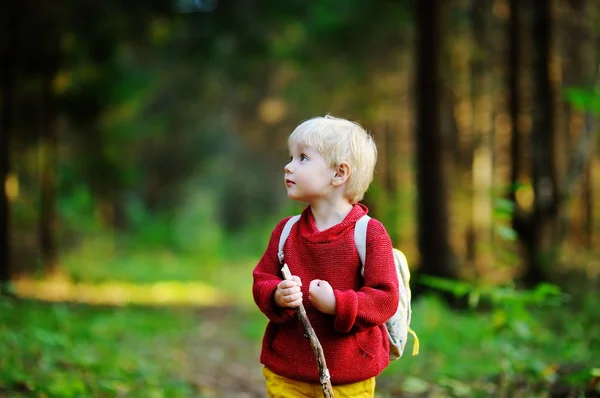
{"x":308,"y":227}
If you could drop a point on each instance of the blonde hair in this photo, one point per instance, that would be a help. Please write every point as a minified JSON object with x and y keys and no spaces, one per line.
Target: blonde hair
{"x":340,"y":140}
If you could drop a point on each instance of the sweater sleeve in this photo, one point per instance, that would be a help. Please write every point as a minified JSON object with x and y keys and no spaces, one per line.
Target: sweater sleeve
{"x":267,"y":275}
{"x":377,"y":300}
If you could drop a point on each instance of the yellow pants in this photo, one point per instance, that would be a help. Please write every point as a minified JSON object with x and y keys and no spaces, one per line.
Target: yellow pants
{"x":282,"y":387}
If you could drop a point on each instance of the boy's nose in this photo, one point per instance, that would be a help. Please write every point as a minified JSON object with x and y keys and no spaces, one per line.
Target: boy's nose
{"x":288,"y":168}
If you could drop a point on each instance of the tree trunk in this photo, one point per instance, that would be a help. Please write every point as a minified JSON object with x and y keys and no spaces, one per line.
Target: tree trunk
{"x":49,"y":166}
{"x":514,"y":86}
{"x":433,"y":242}
{"x":48,"y":227}
{"x":581,"y":66}
{"x":535,"y":230}
{"x":461,"y":55}
{"x":8,"y":62}
{"x":588,"y":208}
{"x":482,"y":166}
{"x":460,"y":142}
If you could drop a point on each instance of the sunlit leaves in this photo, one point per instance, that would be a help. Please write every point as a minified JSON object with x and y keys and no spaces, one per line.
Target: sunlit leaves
{"x":584,"y":98}
{"x":11,"y":186}
{"x":119,"y":293}
{"x":503,"y":208}
{"x":505,"y":232}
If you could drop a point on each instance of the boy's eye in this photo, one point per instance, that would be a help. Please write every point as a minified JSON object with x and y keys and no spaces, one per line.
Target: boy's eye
{"x":303,"y":157}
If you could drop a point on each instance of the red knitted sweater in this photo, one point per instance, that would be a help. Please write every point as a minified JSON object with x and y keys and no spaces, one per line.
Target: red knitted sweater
{"x":354,"y":341}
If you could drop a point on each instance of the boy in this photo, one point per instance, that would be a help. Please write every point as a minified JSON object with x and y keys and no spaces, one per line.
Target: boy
{"x":331,"y":167}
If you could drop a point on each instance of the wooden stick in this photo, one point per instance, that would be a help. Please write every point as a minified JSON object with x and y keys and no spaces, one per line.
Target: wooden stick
{"x":309,"y":332}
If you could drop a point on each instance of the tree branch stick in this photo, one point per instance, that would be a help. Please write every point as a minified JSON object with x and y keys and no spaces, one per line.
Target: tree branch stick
{"x":309,"y":332}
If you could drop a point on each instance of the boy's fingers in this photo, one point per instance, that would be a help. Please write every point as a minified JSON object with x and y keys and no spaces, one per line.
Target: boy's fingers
{"x":297,"y":280}
{"x":295,"y":303}
{"x":285,"y":285}
{"x":289,"y":283}
{"x":293,"y":298}
{"x":290,"y":290}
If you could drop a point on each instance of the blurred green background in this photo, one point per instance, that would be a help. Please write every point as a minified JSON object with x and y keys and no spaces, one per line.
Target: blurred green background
{"x":142,"y":147}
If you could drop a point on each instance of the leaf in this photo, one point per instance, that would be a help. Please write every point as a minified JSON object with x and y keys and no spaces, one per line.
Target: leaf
{"x":505,"y":206}
{"x":459,"y":389}
{"x":474,"y":298}
{"x":583,"y":98}
{"x":415,"y":385}
{"x":457,"y":288}
{"x":521,"y":329}
{"x":505,"y":232}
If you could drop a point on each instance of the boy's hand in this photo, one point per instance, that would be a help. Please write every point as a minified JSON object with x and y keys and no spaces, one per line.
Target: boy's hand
{"x":288,"y":293}
{"x":321,"y":296}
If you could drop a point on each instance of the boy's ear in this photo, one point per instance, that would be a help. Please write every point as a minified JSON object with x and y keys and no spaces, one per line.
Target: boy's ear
{"x":342,"y":173}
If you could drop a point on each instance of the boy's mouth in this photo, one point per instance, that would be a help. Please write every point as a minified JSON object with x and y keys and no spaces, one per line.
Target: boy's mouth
{"x":289,"y":182}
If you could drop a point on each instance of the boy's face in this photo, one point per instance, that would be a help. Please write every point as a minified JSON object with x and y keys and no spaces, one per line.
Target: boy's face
{"x":308,"y":176}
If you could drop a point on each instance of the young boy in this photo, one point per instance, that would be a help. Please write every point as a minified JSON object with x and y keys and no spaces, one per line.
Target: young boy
{"x":331,"y":167}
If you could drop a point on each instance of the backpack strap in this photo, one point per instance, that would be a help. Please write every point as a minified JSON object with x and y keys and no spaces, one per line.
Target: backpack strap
{"x":284,"y":235}
{"x":360,"y":240}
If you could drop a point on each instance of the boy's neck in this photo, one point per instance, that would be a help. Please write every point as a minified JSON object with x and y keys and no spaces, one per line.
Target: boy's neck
{"x":328,"y":214}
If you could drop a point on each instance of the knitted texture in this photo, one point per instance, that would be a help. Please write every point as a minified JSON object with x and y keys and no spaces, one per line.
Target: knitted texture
{"x":354,"y":341}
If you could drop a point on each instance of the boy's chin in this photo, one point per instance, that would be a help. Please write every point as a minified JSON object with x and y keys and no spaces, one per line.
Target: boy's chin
{"x":293,"y":196}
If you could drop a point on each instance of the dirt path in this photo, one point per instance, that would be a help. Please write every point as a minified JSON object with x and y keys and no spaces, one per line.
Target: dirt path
{"x":223,"y":359}
{"x":223,"y":356}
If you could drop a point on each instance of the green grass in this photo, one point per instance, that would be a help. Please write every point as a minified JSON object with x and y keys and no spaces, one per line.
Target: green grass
{"x":59,"y":350}
{"x":100,"y":260}
{"x":473,"y":349}
{"x":68,"y":350}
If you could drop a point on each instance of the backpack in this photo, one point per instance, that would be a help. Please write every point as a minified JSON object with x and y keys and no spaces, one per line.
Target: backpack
{"x":398,"y":326}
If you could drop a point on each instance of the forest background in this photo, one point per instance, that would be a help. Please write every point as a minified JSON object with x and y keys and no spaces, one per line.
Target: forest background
{"x":142,"y":147}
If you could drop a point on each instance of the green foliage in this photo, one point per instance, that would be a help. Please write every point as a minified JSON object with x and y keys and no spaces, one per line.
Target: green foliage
{"x":517,"y":328}
{"x":77,"y":210}
{"x":519,"y":340}
{"x":502,"y":213}
{"x":584,"y":98}
{"x":72,"y":351}
{"x":523,"y":339}
{"x":503,"y":209}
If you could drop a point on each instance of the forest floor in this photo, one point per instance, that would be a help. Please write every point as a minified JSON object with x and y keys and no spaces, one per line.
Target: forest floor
{"x":195,"y":339}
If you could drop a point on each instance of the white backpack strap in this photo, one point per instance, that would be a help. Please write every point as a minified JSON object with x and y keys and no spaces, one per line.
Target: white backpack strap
{"x":360,"y":240}
{"x":284,"y":235}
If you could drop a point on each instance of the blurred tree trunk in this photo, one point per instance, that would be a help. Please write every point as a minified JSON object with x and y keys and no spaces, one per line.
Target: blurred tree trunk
{"x":579,"y":165}
{"x":8,"y":63}
{"x":588,"y":208}
{"x":585,"y":13}
{"x":580,"y":70}
{"x":482,"y":165}
{"x":514,"y":86}
{"x":48,"y":228}
{"x":535,"y":227}
{"x":48,"y":178}
{"x":460,"y":142}
{"x":436,"y":258}
{"x":460,"y":63}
